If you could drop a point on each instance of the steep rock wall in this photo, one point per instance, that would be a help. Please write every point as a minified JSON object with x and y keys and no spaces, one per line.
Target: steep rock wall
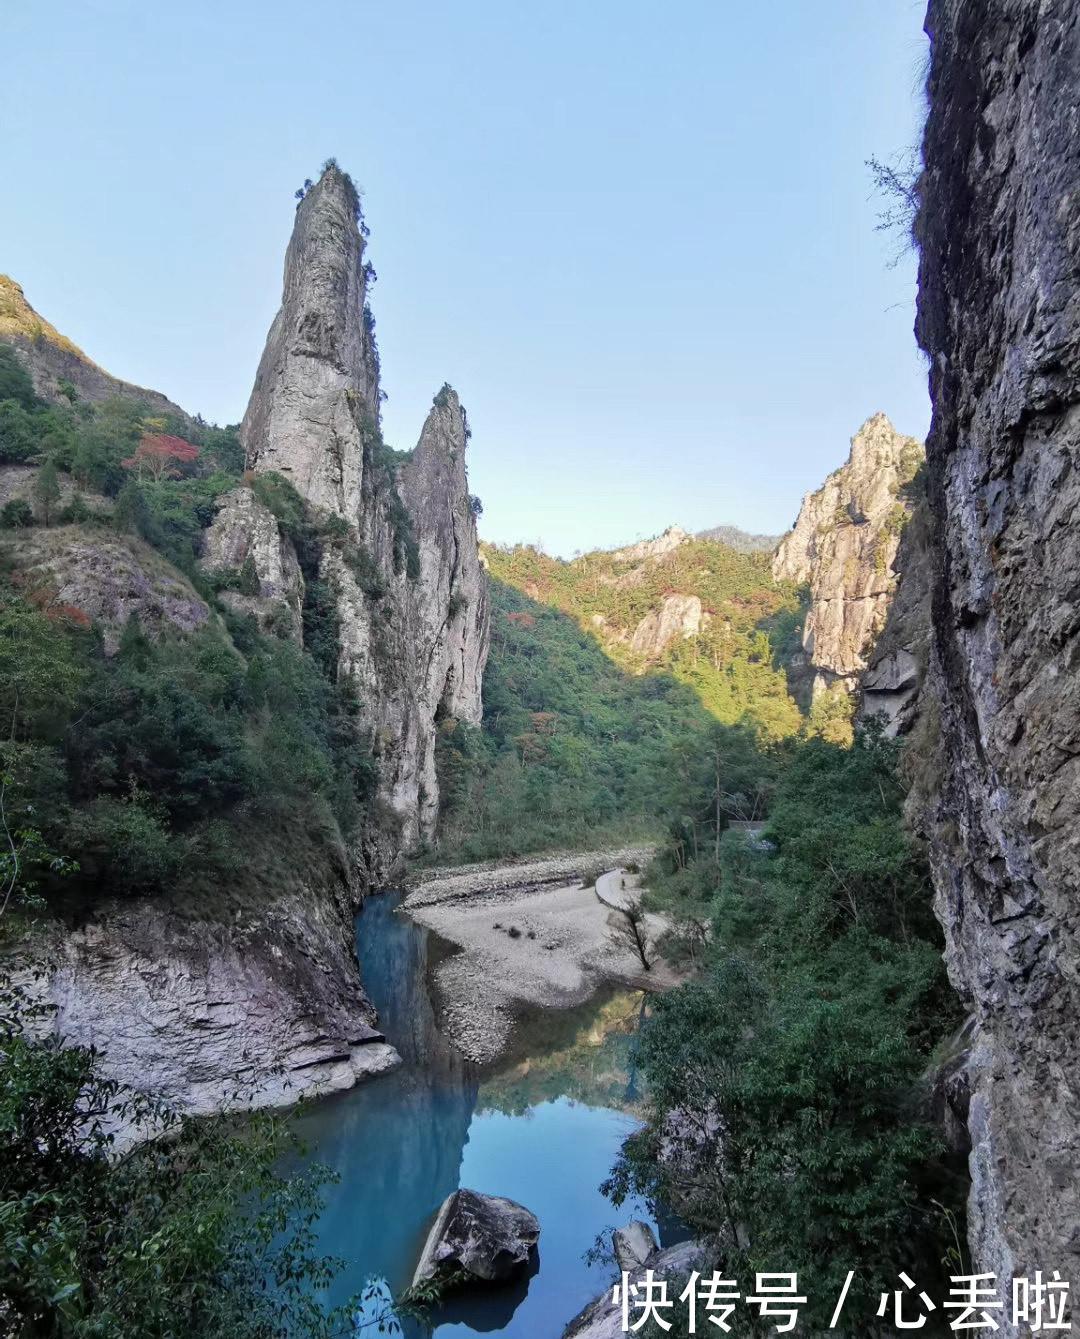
{"x":207,"y":1012}
{"x":843,"y":546}
{"x":897,"y":663}
{"x":254,"y":986}
{"x":999,"y":318}
{"x":413,"y":602}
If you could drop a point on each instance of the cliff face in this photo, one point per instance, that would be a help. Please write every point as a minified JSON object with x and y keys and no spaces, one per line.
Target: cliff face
{"x":896,"y":669}
{"x":317,"y":387}
{"x":843,"y":547}
{"x":207,"y":1013}
{"x":411,"y":595}
{"x":999,"y":318}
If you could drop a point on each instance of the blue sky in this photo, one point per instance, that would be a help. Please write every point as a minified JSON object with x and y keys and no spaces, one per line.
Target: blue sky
{"x":638,"y":238}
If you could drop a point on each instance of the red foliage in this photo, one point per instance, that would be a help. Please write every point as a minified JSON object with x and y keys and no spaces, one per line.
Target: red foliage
{"x":161,"y":456}
{"x":68,"y":613}
{"x":42,"y":597}
{"x":543,"y":722}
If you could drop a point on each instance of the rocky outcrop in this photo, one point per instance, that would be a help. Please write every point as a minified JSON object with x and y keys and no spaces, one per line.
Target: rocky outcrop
{"x":97,"y":576}
{"x":410,"y":592}
{"x":889,"y":688}
{"x":254,"y":988}
{"x":53,"y":360}
{"x":602,"y":1318}
{"x":633,"y":1244}
{"x":316,"y":394}
{"x":843,"y":546}
{"x":659,"y":547}
{"x":478,"y":1239}
{"x":679,"y":617}
{"x":17,"y":482}
{"x":209,"y":1014}
{"x":999,"y":319}
{"x":244,"y":532}
{"x":739,"y":540}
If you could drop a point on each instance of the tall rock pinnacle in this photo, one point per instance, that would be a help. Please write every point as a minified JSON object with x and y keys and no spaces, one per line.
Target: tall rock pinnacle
{"x":404,"y":572}
{"x":317,"y":388}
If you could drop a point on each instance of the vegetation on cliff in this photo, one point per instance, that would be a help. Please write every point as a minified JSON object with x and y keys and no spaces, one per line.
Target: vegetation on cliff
{"x":98,"y":1247}
{"x":786,"y":1121}
{"x":587,"y":737}
{"x":150,"y":761}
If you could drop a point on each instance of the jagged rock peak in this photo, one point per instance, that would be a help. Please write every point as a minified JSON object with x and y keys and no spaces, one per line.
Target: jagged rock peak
{"x":880,"y":462}
{"x":672,"y":537}
{"x":316,"y":395}
{"x":843,"y":546}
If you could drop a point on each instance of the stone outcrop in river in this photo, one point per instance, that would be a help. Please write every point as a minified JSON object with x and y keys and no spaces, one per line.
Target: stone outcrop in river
{"x":999,"y":319}
{"x":478,"y":1239}
{"x":843,"y":546}
{"x":410,"y":592}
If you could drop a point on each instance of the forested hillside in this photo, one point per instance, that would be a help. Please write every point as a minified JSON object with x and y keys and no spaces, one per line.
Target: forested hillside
{"x":149,"y":727}
{"x":607,"y":678}
{"x":711,"y":616}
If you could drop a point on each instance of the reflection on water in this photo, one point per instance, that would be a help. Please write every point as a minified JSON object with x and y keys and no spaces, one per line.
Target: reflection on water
{"x":544,"y":1129}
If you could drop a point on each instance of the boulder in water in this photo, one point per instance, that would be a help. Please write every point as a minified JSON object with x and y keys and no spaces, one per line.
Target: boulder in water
{"x":484,"y":1238}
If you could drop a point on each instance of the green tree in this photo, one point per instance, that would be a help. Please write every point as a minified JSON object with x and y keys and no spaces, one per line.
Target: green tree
{"x":47,"y":490}
{"x":15,"y":382}
{"x":249,"y":577}
{"x":40,"y":676}
{"x":194,"y":1233}
{"x":785,"y":1123}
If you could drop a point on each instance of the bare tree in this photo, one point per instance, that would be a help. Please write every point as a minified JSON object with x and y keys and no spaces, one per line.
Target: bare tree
{"x":896,"y":184}
{"x":630,"y":930}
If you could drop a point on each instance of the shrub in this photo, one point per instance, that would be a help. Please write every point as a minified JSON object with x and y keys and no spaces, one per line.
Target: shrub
{"x":15,"y":380}
{"x":249,"y":583}
{"x":16,"y":514}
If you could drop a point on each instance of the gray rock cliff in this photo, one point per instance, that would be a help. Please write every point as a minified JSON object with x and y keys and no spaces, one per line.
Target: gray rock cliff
{"x":412,"y":603}
{"x":999,"y":319}
{"x":843,"y":546}
{"x":890,"y":687}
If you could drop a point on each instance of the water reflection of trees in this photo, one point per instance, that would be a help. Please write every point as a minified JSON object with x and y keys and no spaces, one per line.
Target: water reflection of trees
{"x":583,"y":1054}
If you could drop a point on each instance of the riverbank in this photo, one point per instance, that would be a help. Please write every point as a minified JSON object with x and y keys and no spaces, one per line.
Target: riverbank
{"x":447,"y":883}
{"x":529,"y":936}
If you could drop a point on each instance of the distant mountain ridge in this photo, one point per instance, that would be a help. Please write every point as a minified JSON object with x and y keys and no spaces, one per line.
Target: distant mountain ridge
{"x":740,"y":540}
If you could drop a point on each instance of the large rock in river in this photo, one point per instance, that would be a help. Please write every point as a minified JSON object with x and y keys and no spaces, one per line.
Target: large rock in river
{"x":484,"y":1237}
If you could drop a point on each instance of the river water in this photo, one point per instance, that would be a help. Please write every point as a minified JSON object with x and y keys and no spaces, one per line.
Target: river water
{"x":542,"y":1128}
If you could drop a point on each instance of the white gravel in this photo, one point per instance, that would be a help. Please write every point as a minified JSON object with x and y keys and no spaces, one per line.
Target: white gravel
{"x":524,"y":945}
